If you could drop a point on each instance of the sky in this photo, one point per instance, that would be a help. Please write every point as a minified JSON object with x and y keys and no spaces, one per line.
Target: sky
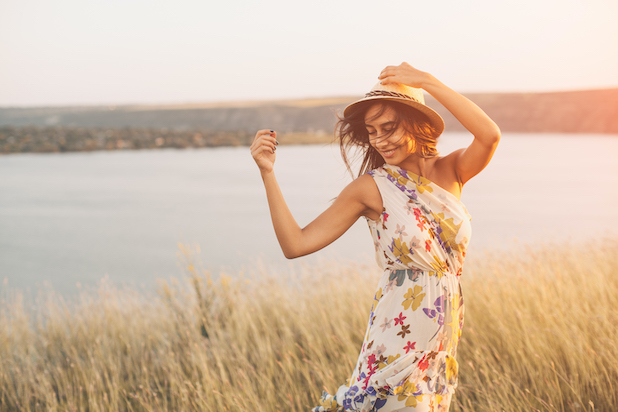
{"x":115,"y":52}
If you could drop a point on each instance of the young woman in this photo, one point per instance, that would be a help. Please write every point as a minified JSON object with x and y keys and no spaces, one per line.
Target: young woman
{"x":410,"y":198}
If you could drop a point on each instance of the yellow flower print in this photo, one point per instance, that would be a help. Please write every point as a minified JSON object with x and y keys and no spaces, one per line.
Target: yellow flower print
{"x":328,"y":401}
{"x":422,"y":184}
{"x":405,"y":390}
{"x":383,"y":361}
{"x":376,"y":299}
{"x":401,"y":251}
{"x":439,"y":266}
{"x":449,"y":232}
{"x":451,"y":368}
{"x":402,"y":180}
{"x":392,"y":359}
{"x":413,"y":298}
{"x":412,"y":401}
{"x":452,"y":320}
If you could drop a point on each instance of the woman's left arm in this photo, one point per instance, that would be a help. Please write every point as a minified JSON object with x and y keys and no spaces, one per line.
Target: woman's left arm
{"x":475,"y":157}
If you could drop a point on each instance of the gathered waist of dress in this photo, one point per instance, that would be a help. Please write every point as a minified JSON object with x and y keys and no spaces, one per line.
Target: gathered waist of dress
{"x":415,"y":273}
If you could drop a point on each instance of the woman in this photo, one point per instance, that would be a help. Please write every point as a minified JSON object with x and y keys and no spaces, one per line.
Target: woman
{"x":410,"y":198}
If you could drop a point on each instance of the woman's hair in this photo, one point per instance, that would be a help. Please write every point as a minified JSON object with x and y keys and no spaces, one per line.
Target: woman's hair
{"x":351,"y":132}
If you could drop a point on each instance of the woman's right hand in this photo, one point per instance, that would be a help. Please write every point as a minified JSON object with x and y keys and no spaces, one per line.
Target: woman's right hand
{"x":263,"y":149}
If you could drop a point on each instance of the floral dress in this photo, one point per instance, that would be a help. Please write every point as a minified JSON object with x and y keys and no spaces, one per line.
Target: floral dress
{"x":407,"y":359}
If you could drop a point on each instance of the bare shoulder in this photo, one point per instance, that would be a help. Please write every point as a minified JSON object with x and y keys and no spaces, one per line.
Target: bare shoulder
{"x":444,"y":172}
{"x":449,"y":161}
{"x":364,"y":190}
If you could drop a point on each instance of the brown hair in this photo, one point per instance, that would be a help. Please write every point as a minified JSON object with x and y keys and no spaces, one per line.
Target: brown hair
{"x":351,"y":133}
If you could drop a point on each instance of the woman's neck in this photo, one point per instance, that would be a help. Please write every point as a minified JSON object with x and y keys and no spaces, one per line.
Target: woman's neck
{"x":415,"y":164}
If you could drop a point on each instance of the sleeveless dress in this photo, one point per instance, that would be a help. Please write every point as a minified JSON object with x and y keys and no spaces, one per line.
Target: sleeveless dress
{"x":407,"y":361}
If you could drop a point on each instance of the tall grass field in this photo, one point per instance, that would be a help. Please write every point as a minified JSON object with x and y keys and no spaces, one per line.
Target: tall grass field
{"x":540,"y":334}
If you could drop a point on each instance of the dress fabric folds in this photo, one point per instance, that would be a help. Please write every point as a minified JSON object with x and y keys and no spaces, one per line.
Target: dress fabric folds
{"x":407,"y":361}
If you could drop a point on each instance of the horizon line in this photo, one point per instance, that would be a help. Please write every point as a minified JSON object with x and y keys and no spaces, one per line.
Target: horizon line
{"x":308,"y":101}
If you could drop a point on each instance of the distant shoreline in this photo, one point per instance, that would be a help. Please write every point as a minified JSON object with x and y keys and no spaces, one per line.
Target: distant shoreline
{"x":34,"y":139}
{"x":54,"y":139}
{"x":303,"y":121}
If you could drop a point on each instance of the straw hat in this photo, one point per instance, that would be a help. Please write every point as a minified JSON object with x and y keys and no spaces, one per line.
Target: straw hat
{"x":404,"y":94}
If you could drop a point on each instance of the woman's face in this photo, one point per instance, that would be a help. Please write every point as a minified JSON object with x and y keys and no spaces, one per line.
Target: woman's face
{"x":389,"y":139}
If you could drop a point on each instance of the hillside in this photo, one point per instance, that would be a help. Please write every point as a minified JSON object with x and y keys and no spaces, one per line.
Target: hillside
{"x":302,"y":121}
{"x":588,"y":111}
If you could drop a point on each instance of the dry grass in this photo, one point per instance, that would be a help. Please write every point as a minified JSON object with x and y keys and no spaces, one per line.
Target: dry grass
{"x":540,"y":334}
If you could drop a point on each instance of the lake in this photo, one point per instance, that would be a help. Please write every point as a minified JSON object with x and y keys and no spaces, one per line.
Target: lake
{"x":76,"y":217}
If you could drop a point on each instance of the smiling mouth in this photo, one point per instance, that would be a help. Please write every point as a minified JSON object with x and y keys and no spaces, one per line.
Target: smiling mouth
{"x":387,"y":153}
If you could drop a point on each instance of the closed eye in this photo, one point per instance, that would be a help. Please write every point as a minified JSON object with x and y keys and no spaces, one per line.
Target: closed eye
{"x":384,"y":133}
{"x":386,"y":127}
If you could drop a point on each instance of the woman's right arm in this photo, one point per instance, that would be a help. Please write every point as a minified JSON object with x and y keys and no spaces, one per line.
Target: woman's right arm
{"x":357,"y":199}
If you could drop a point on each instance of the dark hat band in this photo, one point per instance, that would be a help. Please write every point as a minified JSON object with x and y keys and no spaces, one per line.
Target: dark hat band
{"x":390,"y":94}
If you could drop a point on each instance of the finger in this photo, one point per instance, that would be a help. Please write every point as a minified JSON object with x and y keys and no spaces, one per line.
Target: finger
{"x":266,"y":134}
{"x":264,"y":139}
{"x":385,"y":76}
{"x":269,"y":138}
{"x":390,"y":79}
{"x":267,"y":149}
{"x":263,"y":150}
{"x":267,"y":146}
{"x":260,"y":133}
{"x":388,"y":70}
{"x":261,"y":141}
{"x":272,"y":136}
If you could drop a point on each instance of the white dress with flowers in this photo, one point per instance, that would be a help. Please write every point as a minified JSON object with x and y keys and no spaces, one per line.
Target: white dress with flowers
{"x":408,"y":354}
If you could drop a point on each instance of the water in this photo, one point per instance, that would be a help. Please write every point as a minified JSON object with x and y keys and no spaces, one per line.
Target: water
{"x":74,"y":218}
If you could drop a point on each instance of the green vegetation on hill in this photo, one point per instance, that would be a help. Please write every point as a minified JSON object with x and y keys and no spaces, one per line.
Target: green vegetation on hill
{"x":300,"y":121}
{"x":68,"y":139}
{"x":37,"y":139}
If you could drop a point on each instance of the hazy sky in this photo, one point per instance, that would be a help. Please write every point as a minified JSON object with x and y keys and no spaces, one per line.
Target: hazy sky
{"x":65,"y":52}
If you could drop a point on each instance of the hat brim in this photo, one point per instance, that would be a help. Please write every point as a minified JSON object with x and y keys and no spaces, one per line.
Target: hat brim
{"x":435,"y":119}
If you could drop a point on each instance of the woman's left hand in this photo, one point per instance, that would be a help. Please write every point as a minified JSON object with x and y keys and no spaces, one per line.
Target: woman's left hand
{"x":404,"y":74}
